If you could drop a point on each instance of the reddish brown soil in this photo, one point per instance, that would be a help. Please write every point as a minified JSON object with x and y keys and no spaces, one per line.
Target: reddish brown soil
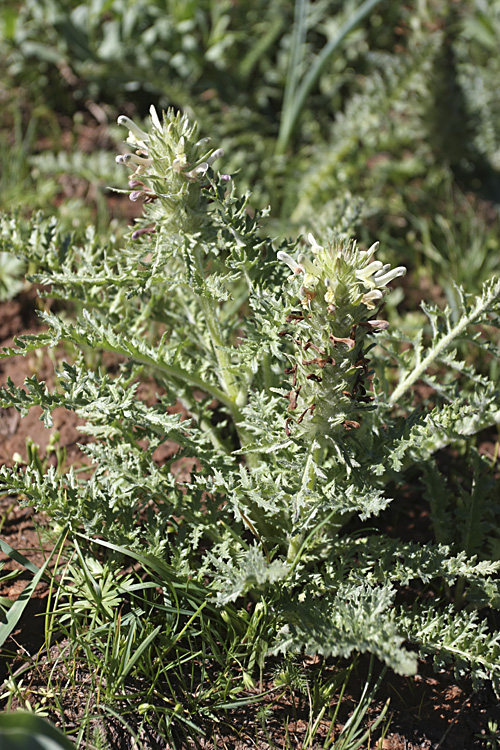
{"x":429,"y":711}
{"x":20,"y":527}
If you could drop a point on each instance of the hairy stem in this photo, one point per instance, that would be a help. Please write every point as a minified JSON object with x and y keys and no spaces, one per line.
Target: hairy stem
{"x":482,"y":305}
{"x":307,"y":484}
{"x":235,"y":395}
{"x":209,"y":311}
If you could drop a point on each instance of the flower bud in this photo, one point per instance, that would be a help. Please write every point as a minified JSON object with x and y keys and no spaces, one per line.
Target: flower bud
{"x":140,"y":232}
{"x":133,"y":128}
{"x":139,"y":160}
{"x":154,"y":118}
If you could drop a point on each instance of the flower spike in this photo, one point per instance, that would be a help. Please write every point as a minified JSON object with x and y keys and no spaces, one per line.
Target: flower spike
{"x":174,"y":165}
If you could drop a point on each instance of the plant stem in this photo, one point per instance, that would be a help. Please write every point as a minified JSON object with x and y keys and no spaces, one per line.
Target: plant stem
{"x":236,"y":396}
{"x":482,"y":305}
{"x":307,"y":484}
{"x":212,"y":320}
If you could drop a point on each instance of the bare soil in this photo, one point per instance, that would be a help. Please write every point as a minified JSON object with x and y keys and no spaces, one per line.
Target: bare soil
{"x":430,"y":711}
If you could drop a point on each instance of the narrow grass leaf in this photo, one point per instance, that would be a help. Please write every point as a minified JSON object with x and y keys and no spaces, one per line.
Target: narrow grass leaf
{"x":21,"y":730}
{"x":14,"y":614}
{"x":291,"y":114}
{"x":137,"y":654}
{"x":18,"y":557}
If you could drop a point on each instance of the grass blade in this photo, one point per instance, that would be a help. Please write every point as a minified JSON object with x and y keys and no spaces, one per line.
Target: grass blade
{"x":14,"y":614}
{"x":18,"y":557}
{"x":296,"y":103}
{"x":21,"y":730}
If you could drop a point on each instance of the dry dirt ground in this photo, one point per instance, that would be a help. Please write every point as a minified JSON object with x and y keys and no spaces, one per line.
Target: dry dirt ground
{"x":429,"y":711}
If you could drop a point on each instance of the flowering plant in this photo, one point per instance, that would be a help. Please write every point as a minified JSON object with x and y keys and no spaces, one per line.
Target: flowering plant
{"x":297,"y":422}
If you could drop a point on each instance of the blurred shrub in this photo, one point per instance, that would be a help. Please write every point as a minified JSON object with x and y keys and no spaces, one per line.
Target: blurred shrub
{"x":403,"y":118}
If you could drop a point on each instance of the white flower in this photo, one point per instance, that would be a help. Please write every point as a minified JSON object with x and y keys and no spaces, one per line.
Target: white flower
{"x":154,"y":118}
{"x":203,"y":167}
{"x":375,"y":276}
{"x":138,"y":160}
{"x":330,"y":296}
{"x":179,"y":163}
{"x":314,"y":245}
{"x":309,"y":266}
{"x":378,"y":325}
{"x":384,"y":276}
{"x":194,"y":173}
{"x":365,"y":273}
{"x":291,"y":263}
{"x":371,"y":299}
{"x":136,"y":134}
{"x":365,"y":254}
{"x":216,"y":155}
